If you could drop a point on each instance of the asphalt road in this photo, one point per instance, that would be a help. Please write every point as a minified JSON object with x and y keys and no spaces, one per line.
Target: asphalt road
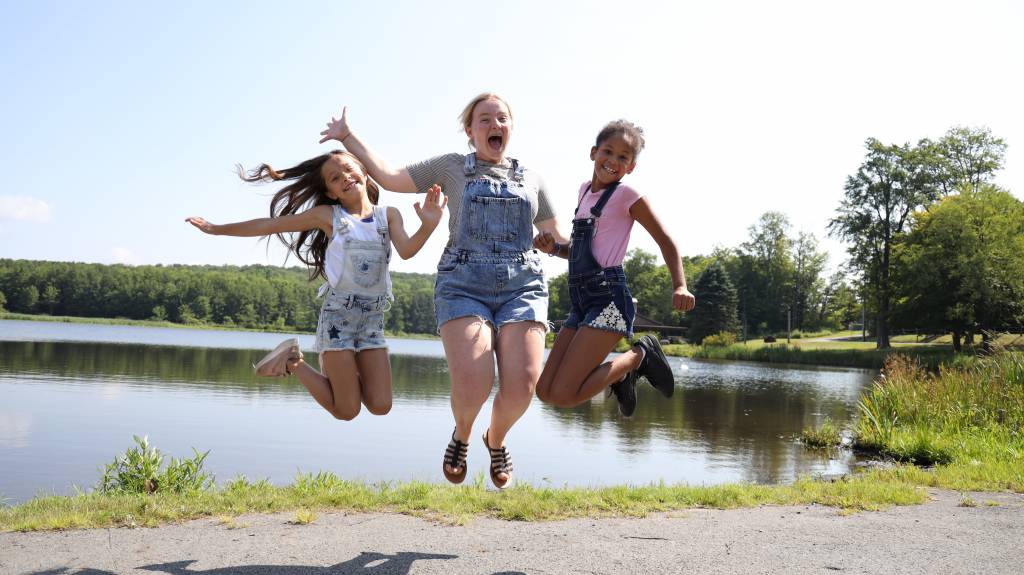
{"x":938,"y":537}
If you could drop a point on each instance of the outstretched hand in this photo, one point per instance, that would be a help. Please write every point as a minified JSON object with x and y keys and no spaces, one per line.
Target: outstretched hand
{"x":337,"y":129}
{"x":433,"y":206}
{"x":203,"y":225}
{"x":544,"y":242}
{"x":683,"y":300}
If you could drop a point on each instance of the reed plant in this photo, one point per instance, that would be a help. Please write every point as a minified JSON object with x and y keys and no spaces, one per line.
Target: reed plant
{"x":966,"y":417}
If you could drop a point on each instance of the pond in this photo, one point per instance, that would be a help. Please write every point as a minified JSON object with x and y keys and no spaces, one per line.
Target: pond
{"x":72,"y":396}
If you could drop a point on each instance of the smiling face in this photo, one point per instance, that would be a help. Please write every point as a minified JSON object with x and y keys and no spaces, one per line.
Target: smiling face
{"x":613,"y":159}
{"x":345,"y":181}
{"x":490,"y":129}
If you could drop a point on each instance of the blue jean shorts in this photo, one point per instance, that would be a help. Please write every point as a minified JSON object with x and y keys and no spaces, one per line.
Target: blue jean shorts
{"x":601,"y":301}
{"x":499,"y":288}
{"x":351,"y":322}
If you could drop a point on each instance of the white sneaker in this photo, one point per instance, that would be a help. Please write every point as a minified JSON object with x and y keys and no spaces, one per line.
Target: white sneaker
{"x":275,"y":363}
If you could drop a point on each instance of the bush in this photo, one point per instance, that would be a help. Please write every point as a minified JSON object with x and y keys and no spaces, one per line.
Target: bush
{"x":138,"y":471}
{"x":720,"y":339}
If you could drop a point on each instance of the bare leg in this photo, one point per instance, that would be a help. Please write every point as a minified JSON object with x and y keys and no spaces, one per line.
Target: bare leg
{"x":586,"y":374}
{"x":375,"y":380}
{"x":555,"y":357}
{"x":469,"y":349}
{"x":340,"y":394}
{"x":520,"y":351}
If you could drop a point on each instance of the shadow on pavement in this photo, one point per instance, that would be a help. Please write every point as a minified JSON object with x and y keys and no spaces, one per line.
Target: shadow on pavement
{"x":366,"y":563}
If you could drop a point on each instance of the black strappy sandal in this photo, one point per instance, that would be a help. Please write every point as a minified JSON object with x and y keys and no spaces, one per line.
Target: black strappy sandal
{"x":455,"y":456}
{"x":501,"y":462}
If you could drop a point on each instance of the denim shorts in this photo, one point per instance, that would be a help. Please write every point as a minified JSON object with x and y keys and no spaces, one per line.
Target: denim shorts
{"x":602,"y":301}
{"x":351,"y":322}
{"x":499,"y":288}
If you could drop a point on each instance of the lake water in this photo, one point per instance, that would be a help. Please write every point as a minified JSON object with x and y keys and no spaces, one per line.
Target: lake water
{"x":72,"y":396}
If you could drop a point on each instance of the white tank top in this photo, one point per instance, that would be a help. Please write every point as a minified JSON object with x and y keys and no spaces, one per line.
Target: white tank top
{"x":358,"y":254}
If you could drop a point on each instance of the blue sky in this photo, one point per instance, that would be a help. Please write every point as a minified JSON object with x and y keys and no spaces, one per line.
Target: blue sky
{"x":122,"y":118}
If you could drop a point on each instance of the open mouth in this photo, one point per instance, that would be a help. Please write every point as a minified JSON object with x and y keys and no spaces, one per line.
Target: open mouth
{"x":495,"y":142}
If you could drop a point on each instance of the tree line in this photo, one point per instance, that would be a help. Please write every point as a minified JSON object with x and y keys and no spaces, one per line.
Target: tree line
{"x":255,"y":297}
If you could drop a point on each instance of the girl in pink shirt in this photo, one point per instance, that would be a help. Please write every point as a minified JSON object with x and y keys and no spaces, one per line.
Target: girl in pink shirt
{"x":602,"y":309}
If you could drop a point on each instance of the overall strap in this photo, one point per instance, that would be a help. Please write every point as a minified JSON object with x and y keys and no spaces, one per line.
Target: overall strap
{"x":599,"y":206}
{"x":338,"y":221}
{"x":517,"y":170}
{"x":380,"y":216}
{"x":469,"y":168}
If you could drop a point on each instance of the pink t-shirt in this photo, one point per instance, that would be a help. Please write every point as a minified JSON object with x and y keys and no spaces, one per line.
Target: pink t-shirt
{"x":611,"y":238}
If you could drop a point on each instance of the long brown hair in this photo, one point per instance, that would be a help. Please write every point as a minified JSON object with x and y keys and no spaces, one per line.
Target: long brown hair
{"x":307,"y":192}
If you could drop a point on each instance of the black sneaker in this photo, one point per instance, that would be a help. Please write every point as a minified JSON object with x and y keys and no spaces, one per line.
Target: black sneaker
{"x":625,"y":392}
{"x":655,"y":366}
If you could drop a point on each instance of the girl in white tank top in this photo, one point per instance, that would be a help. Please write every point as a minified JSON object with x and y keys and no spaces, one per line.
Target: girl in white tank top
{"x":329,"y":219}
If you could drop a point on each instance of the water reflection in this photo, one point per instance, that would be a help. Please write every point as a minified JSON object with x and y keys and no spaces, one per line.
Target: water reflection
{"x":66,"y":408}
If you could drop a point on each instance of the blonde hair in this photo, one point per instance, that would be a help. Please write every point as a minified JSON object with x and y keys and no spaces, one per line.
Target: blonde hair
{"x":467,"y":112}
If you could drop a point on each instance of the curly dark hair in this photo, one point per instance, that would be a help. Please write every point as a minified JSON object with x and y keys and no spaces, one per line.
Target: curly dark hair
{"x":308,"y":191}
{"x":633,"y":134}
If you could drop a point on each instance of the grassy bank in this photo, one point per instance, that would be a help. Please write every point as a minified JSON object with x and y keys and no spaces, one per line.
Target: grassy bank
{"x":454,"y":504}
{"x":967,"y":420}
{"x":838,"y":355}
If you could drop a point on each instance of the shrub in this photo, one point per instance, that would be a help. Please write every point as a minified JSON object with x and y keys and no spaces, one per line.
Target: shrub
{"x":138,"y":471}
{"x":720,"y":339}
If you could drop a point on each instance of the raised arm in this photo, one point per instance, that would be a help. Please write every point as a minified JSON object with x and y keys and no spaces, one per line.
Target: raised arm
{"x":430,"y":214}
{"x":316,"y":217}
{"x":682,"y":299}
{"x":395,"y":180}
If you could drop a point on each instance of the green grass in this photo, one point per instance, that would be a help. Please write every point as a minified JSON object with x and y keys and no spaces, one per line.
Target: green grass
{"x":324,"y":492}
{"x":965,"y":418}
{"x":841,"y":354}
{"x":826,"y":436}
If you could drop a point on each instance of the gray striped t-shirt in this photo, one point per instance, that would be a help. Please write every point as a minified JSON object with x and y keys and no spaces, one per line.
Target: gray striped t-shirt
{"x":447,"y":172}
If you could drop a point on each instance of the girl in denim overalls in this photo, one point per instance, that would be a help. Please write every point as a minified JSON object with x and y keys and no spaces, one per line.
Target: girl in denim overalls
{"x":602,"y":310}
{"x":344,"y":237}
{"x":490,"y":297}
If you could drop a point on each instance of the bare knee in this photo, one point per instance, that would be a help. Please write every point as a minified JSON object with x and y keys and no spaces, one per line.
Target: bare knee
{"x":519,"y":390}
{"x":345,"y":413}
{"x":544,"y":393}
{"x":562,"y":398}
{"x":379,"y":407}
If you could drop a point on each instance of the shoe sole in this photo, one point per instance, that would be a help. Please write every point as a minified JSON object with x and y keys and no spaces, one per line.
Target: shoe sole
{"x":281,"y":348}
{"x":666,"y":368}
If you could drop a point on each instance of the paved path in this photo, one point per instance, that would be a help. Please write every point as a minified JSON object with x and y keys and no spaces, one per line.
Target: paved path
{"x":937,"y":537}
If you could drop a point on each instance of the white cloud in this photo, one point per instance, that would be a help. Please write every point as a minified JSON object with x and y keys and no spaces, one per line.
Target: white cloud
{"x":24,"y":208}
{"x":126,"y":256}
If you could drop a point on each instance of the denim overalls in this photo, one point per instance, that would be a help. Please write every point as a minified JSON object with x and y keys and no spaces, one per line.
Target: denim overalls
{"x":352,"y":315}
{"x":489,"y":269}
{"x":598,"y":296}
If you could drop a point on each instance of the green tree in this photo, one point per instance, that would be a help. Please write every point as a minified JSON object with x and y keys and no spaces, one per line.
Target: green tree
{"x":715,"y":311}
{"x":3,"y":301}
{"x":964,"y":158}
{"x":961,"y":268}
{"x":892,"y":181}
{"x":764,"y":272}
{"x":27,"y":299}
{"x":49,"y":298}
{"x":806,"y":283}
